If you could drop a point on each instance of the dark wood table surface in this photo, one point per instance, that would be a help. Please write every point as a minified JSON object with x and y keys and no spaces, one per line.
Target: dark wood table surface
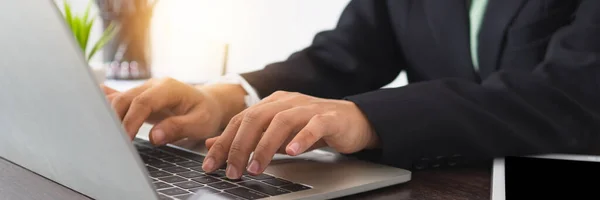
{"x":474,"y":183}
{"x":471,"y":183}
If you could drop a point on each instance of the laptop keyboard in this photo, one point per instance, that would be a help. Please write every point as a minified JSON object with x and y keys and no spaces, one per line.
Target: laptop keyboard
{"x":178,"y":174}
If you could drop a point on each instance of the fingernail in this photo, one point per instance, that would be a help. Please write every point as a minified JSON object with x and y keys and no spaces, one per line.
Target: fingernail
{"x":295,"y":147}
{"x":158,"y":137}
{"x":231,"y":172}
{"x":209,"y":164}
{"x":254,"y":167}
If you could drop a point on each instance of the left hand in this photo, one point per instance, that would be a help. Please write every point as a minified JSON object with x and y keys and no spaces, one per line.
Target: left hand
{"x":295,"y":121}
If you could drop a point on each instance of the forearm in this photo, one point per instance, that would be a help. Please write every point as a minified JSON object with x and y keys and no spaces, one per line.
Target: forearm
{"x":359,"y":55}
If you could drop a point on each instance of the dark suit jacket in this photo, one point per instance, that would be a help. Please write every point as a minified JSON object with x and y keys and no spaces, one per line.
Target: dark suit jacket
{"x":537,"y":92}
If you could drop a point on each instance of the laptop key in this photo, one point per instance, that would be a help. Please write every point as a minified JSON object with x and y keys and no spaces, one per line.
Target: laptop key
{"x":142,"y":148}
{"x":158,"y":174}
{"x":185,"y":154}
{"x":173,"y":191}
{"x":161,"y":185}
{"x":205,"y":179}
{"x":141,"y":141}
{"x":197,"y":158}
{"x":172,"y":179}
{"x":219,"y":173}
{"x":188,"y":185}
{"x":175,"y":159}
{"x":183,"y":197}
{"x":144,"y":157}
{"x":204,"y":190}
{"x":295,"y":187}
{"x":264,"y":188}
{"x":246,"y":193}
{"x":171,"y":149}
{"x":151,"y":169}
{"x":261,"y":177}
{"x":163,"y":197}
{"x":190,"y":174}
{"x":150,"y":160}
{"x":198,"y":169}
{"x":236,"y":180}
{"x":176,"y":169}
{"x":161,"y":165}
{"x":277,"y":182}
{"x":160,"y":155}
{"x":222,"y":185}
{"x":146,"y":151}
{"x":139,"y":147}
{"x":190,"y":164}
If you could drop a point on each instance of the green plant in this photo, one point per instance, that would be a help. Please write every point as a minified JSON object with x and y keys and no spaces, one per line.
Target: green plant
{"x":81,"y":26}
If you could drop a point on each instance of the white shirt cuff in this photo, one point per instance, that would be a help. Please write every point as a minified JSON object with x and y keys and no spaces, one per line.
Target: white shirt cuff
{"x":251,"y":99}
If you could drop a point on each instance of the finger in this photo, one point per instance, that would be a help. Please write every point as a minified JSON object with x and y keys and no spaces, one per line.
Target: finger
{"x":255,"y":121}
{"x":283,"y":125}
{"x":121,"y":102}
{"x":112,"y":96}
{"x":148,"y":102}
{"x":192,"y":126}
{"x":220,"y":147}
{"x":219,"y":150}
{"x":170,"y":129}
{"x":316,"y":129}
{"x":107,"y":90}
{"x":210,"y":142}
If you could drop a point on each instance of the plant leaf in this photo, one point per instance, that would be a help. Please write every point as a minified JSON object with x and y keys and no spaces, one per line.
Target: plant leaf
{"x":68,"y":15}
{"x":107,"y":35}
{"x":87,"y":27}
{"x":75,"y":24}
{"x":87,"y":12}
{"x":79,"y":31}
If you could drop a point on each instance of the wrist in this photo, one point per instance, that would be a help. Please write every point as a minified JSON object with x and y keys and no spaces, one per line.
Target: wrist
{"x":229,"y":97}
{"x":371,"y":137}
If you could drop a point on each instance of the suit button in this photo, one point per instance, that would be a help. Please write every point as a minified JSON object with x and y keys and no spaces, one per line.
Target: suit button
{"x":422,"y":163}
{"x":438,"y":161}
{"x":454,"y":160}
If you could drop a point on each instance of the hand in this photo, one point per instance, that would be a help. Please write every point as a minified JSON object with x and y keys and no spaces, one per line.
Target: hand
{"x":289,"y":123}
{"x":178,"y":110}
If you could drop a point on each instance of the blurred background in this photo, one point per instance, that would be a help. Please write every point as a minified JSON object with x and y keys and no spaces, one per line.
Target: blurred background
{"x":199,"y":40}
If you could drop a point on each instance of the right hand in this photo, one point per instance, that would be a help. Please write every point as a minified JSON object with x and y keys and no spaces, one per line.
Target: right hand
{"x":176,"y":109}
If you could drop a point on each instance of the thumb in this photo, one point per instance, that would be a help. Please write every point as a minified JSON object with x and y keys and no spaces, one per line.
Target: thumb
{"x":168,"y":130}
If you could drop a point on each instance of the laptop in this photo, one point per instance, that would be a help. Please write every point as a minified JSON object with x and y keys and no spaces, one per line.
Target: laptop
{"x":57,"y":123}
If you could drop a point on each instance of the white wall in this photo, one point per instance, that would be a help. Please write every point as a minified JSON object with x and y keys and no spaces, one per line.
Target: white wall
{"x":191,"y":34}
{"x":188,"y":35}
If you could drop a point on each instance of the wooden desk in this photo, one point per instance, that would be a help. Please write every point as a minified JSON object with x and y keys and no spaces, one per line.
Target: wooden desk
{"x":456,"y":184}
{"x":17,"y":183}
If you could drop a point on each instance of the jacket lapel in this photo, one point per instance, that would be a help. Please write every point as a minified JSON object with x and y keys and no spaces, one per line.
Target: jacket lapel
{"x":492,"y":33}
{"x":449,"y":22}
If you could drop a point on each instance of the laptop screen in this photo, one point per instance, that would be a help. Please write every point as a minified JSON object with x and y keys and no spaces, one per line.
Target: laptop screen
{"x":535,"y":177}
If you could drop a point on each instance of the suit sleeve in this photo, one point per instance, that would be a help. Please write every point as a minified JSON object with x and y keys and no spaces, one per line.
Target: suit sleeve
{"x":552,"y":109}
{"x":358,"y":55}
